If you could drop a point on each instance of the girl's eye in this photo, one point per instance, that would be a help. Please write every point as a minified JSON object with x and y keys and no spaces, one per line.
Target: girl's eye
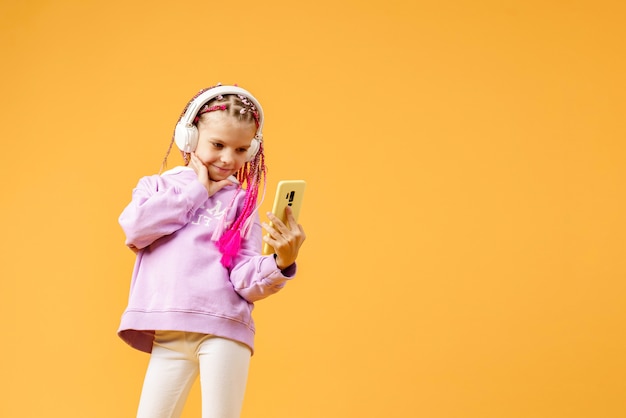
{"x":242,"y":150}
{"x":218,"y":145}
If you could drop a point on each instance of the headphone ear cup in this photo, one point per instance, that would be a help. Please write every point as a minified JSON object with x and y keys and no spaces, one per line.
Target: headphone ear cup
{"x":186,"y":137}
{"x":254,"y":148}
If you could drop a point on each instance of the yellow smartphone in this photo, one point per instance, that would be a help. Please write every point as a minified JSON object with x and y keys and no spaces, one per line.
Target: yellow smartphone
{"x":288,"y":193}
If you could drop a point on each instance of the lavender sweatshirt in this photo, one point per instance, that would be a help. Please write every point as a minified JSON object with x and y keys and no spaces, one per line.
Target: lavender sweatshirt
{"x":178,"y":282}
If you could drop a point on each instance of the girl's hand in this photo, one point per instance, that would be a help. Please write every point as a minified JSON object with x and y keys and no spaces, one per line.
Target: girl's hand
{"x":286,"y":239}
{"x":202,"y":172}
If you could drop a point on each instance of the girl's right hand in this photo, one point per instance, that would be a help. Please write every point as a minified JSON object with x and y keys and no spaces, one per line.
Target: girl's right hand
{"x":285,"y":237}
{"x":202,"y":172}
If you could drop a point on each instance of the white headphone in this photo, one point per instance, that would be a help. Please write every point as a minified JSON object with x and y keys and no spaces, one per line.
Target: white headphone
{"x":186,"y":133}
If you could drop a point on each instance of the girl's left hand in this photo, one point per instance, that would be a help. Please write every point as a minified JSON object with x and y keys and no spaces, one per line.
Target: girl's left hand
{"x":202,"y":172}
{"x":286,"y":239}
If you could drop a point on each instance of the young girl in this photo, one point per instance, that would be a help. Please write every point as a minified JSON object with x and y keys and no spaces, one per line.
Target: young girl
{"x":198,"y":272}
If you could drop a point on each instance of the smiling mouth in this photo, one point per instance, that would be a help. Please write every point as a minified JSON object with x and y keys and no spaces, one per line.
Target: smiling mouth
{"x":222,"y":168}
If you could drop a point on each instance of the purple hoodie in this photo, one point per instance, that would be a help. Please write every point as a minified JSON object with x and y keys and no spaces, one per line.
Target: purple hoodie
{"x":178,"y":282}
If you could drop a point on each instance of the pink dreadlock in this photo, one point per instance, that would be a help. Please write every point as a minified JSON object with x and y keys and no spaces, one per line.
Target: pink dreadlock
{"x":252,"y":173}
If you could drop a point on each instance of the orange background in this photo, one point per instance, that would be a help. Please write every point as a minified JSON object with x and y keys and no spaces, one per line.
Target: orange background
{"x":464,"y":208}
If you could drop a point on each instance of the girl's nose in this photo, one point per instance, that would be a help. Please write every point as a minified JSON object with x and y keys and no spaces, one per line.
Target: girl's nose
{"x":227,"y":156}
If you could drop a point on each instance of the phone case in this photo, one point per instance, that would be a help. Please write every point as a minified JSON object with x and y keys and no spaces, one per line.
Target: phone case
{"x":288,"y":193}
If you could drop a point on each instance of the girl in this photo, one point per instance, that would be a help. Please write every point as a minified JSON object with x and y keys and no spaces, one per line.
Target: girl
{"x":198,"y":272}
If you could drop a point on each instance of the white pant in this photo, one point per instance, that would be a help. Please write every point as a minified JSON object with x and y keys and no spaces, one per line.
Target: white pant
{"x":177,"y":358}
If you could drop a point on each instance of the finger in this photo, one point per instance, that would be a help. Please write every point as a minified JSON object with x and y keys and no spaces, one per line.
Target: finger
{"x":289,"y":218}
{"x":219,"y":185}
{"x":279,"y":241}
{"x":277,"y":223}
{"x":269,"y":228}
{"x":273,"y":239}
{"x":194,"y":161}
{"x":275,"y":220}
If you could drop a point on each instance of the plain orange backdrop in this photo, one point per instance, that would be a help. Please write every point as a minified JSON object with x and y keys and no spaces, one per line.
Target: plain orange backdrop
{"x":464,"y":208}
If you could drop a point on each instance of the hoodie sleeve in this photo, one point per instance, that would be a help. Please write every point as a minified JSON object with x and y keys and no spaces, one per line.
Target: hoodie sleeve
{"x":158,"y":209}
{"x":255,"y":277}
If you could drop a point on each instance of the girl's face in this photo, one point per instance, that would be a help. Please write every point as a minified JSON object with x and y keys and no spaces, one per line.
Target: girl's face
{"x":223,"y":143}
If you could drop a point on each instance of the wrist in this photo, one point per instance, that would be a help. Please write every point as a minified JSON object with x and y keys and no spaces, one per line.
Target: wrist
{"x":280,"y":264}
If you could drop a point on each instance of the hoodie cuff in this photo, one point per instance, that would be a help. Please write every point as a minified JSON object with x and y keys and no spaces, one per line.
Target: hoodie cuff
{"x":288,"y":271}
